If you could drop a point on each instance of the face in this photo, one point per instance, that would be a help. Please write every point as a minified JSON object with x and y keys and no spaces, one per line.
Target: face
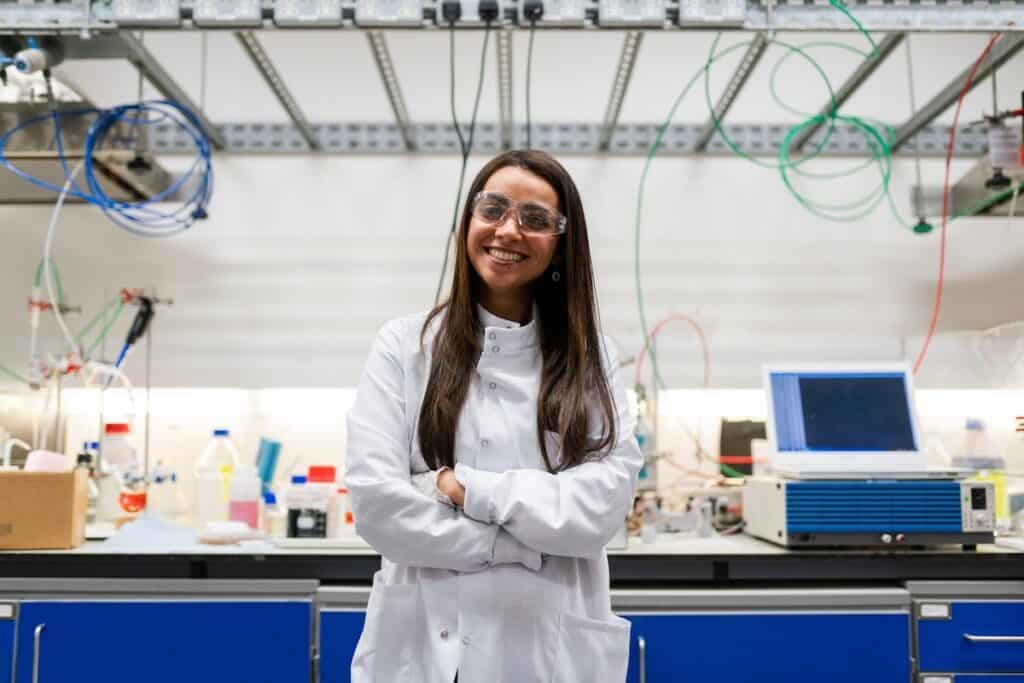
{"x":507,"y":259}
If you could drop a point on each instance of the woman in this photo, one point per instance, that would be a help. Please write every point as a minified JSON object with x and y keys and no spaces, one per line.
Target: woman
{"x":491,"y":455}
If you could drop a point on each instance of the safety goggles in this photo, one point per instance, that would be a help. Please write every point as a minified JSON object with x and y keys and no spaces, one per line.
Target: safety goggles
{"x":492,"y":208}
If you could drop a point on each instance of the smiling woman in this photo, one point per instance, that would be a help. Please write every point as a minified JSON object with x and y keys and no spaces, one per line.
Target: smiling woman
{"x":491,"y":455}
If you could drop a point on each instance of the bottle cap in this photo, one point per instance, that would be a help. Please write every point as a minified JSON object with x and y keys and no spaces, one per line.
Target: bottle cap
{"x":975,"y":424}
{"x":322,"y":474}
{"x":342,"y":490}
{"x":117,"y":428}
{"x":298,"y":479}
{"x":269,"y":498}
{"x":222,"y":432}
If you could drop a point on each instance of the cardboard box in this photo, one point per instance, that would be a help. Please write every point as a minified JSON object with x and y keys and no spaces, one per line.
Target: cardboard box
{"x":43,"y":510}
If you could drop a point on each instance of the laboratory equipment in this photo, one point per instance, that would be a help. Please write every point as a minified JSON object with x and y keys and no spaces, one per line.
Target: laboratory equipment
{"x":346,"y":523}
{"x":978,"y":454}
{"x":844,"y":440}
{"x":47,"y":461}
{"x":275,"y":519}
{"x":266,"y":460}
{"x":307,"y":510}
{"x":322,"y":479}
{"x":869,"y":512}
{"x":213,"y":475}
{"x":842,"y":419}
{"x":244,"y":501}
{"x":116,"y":447}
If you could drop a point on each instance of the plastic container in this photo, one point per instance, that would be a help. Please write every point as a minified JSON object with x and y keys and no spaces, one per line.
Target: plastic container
{"x":323,"y":480}
{"x":116,"y":447}
{"x":244,"y":499}
{"x":980,"y":455}
{"x":345,"y":524}
{"x":307,"y":510}
{"x":212,"y":479}
{"x":275,"y":519}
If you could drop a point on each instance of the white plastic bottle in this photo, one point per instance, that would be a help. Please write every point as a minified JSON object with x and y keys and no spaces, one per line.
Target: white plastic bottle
{"x":244,"y":500}
{"x":116,"y":447}
{"x":213,"y":474}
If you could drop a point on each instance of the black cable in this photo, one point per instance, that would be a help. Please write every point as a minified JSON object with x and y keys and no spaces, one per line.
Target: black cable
{"x":466,"y":145}
{"x":529,"y":70}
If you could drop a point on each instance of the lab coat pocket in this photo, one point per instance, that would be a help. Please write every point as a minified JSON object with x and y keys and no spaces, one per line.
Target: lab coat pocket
{"x":392,"y":642}
{"x":592,"y":650}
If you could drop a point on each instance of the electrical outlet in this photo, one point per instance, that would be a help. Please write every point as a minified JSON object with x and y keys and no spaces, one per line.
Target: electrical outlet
{"x":471,"y":14}
{"x":557,"y":13}
{"x":299,"y":13}
{"x":389,"y":12}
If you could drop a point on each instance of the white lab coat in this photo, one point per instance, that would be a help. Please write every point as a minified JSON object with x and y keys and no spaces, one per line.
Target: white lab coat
{"x":514,"y":587}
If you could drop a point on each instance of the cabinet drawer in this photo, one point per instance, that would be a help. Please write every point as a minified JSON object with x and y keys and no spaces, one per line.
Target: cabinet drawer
{"x":794,"y":648}
{"x":7,"y":610}
{"x":339,"y":634}
{"x":977,"y":637}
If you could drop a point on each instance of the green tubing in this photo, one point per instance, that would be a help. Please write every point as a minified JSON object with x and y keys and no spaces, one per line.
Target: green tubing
{"x":13,"y":375}
{"x":106,"y":328}
{"x":38,"y":282}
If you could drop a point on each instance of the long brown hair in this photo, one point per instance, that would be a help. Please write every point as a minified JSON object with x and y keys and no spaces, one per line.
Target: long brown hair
{"x":573,"y":379}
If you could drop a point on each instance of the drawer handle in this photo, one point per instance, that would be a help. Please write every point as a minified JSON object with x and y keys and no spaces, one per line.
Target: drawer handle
{"x":37,"y":638}
{"x":993,"y":639}
{"x":641,"y":647}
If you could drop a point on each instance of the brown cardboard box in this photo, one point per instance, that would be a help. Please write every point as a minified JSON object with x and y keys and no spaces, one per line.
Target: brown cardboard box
{"x":43,"y":510}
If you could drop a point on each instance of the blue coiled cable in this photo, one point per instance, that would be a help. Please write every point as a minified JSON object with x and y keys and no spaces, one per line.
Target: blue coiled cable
{"x":143,"y":217}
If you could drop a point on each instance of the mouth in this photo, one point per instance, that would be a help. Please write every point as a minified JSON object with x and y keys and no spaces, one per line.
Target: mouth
{"x":505,"y":256}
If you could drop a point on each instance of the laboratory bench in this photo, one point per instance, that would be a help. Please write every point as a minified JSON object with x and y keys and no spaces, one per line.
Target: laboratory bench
{"x":733,"y":560}
{"x":727,"y":609}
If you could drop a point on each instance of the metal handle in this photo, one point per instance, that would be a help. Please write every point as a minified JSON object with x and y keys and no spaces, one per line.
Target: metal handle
{"x":993,"y":639}
{"x":36,"y":640}
{"x":641,"y":647}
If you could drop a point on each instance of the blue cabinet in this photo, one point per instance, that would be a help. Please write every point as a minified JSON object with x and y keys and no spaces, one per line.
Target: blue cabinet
{"x":7,"y":613}
{"x":165,"y":641}
{"x":728,"y":648}
{"x":339,"y":633}
{"x":977,"y":637}
{"x":786,"y":635}
{"x":966,"y":628}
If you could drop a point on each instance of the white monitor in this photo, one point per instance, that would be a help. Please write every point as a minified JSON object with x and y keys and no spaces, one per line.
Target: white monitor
{"x":849,"y":418}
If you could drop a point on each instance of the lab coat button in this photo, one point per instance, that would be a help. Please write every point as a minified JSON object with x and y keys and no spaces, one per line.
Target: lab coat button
{"x":444,"y":634}
{"x":495,"y":348}
{"x":492,"y":335}
{"x":465,"y":640}
{"x":485,"y":443}
{"x":493,"y":385}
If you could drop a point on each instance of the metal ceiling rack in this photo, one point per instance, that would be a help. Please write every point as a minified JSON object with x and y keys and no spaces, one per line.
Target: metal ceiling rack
{"x":92,"y":29}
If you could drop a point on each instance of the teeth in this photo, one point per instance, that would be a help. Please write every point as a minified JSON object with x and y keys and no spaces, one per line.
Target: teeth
{"x":505,"y":255}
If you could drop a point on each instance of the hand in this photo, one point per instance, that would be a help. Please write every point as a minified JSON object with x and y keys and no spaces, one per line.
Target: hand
{"x":450,"y":486}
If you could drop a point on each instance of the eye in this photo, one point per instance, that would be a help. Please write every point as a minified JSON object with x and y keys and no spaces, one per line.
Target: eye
{"x":537,"y":219}
{"x":490,"y":210}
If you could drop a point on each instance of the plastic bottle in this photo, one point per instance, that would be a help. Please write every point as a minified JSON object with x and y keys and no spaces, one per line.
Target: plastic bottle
{"x":322,"y":480}
{"x":979,"y":454}
{"x":117,"y":449}
{"x":85,"y":461}
{"x":275,"y":519}
{"x":345,"y":524}
{"x":213,"y":474}
{"x":307,"y":510}
{"x":244,"y":499}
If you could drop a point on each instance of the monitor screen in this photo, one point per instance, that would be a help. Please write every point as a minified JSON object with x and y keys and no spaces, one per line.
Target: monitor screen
{"x":843,"y":412}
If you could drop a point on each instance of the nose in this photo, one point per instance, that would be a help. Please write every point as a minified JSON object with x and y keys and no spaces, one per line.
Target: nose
{"x":509,"y":226}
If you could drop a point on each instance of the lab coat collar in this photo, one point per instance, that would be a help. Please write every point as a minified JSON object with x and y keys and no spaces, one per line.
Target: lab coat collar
{"x":505,"y":336}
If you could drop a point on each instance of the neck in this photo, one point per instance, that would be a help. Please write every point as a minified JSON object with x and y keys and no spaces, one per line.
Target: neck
{"x":514,"y":306}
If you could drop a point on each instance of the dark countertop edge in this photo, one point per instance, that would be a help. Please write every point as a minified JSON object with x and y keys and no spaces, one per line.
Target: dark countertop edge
{"x":819,"y":567}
